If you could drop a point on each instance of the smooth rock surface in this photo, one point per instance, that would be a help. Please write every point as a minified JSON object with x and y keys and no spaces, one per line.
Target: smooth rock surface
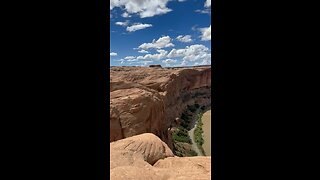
{"x":146,"y":157}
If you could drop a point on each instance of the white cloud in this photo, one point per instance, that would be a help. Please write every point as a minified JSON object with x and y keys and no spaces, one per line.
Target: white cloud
{"x":113,"y":54}
{"x":186,"y":38}
{"x":207,"y":3}
{"x":194,"y":28}
{"x":137,"y":27}
{"x":122,"y":23}
{"x":145,"y":63}
{"x":148,"y":57}
{"x":183,"y":63}
{"x":162,"y":42}
{"x":143,"y":51}
{"x":193,"y":53}
{"x":144,"y":8}
{"x":206,"y":61}
{"x":196,"y":53}
{"x":125,"y":15}
{"x":129,"y":57}
{"x":169,"y":61}
{"x":161,"y":54}
{"x":206,"y":33}
{"x":206,"y":11}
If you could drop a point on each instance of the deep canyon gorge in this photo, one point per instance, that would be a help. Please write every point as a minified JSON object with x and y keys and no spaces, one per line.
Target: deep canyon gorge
{"x":147,"y":101}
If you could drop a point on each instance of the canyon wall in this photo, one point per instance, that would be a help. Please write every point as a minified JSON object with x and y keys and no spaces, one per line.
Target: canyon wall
{"x":149,"y":100}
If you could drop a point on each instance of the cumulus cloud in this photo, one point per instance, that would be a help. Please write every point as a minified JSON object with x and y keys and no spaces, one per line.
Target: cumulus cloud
{"x":193,"y":53}
{"x":148,"y":57}
{"x":169,"y":61}
{"x":194,"y":28}
{"x":205,"y":11}
{"x":206,"y":33}
{"x":143,"y":51}
{"x":129,"y":57}
{"x":161,"y":54}
{"x":125,"y":15}
{"x":186,"y":38}
{"x":144,"y":8}
{"x":207,"y":3}
{"x":196,"y":54}
{"x":144,"y":63}
{"x":113,"y":54}
{"x":122,"y":23}
{"x":162,"y":42}
{"x":137,"y":27}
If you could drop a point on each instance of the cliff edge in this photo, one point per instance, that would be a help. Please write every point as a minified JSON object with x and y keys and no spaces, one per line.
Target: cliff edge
{"x":150,"y":100}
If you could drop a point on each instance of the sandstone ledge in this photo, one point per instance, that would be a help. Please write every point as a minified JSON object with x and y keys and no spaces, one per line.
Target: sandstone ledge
{"x":146,"y":157}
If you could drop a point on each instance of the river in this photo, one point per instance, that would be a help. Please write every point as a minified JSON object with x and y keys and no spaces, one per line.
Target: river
{"x":206,"y":120}
{"x":206,"y":127}
{"x":194,"y":144}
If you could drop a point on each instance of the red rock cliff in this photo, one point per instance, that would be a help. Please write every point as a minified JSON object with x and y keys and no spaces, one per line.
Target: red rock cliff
{"x":148,"y":100}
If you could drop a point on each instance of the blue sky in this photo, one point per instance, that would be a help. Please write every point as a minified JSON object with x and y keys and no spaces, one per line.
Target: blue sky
{"x":166,"y":32}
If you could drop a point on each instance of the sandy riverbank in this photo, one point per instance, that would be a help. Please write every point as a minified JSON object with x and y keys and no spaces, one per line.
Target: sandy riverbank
{"x":206,"y":120}
{"x":194,"y":144}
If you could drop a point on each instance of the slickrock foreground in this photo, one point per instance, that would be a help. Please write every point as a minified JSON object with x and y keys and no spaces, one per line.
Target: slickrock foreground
{"x":146,"y":157}
{"x":145,"y":106}
{"x":150,"y":99}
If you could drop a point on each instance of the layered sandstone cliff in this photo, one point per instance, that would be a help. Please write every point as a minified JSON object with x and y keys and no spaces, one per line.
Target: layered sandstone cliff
{"x":146,"y":157}
{"x":148,"y":100}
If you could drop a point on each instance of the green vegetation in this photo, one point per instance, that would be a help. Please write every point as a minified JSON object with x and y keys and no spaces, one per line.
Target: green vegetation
{"x":198,"y":133}
{"x":181,"y":135}
{"x":193,"y":153}
{"x":183,"y":149}
{"x":181,"y":140}
{"x":193,"y":109}
{"x":186,"y":120}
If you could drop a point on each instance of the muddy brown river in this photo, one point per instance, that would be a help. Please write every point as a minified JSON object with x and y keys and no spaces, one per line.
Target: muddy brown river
{"x":206,"y":119}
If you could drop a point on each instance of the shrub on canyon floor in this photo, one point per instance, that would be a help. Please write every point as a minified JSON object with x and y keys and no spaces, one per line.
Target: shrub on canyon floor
{"x":192,"y":108}
{"x":193,"y":153}
{"x":186,"y":120}
{"x":181,"y":135}
{"x":185,"y":116}
{"x":198,"y":132}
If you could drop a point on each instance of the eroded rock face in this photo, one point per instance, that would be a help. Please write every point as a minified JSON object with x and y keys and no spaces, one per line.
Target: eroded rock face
{"x":134,"y":110}
{"x":146,"y":157}
{"x":148,"y":100}
{"x":147,"y":147}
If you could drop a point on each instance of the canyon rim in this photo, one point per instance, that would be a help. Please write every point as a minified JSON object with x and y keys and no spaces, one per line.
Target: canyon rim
{"x":160,"y":87}
{"x":147,"y":105}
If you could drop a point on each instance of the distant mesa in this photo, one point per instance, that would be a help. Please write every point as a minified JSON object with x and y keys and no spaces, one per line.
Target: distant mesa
{"x":155,"y":66}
